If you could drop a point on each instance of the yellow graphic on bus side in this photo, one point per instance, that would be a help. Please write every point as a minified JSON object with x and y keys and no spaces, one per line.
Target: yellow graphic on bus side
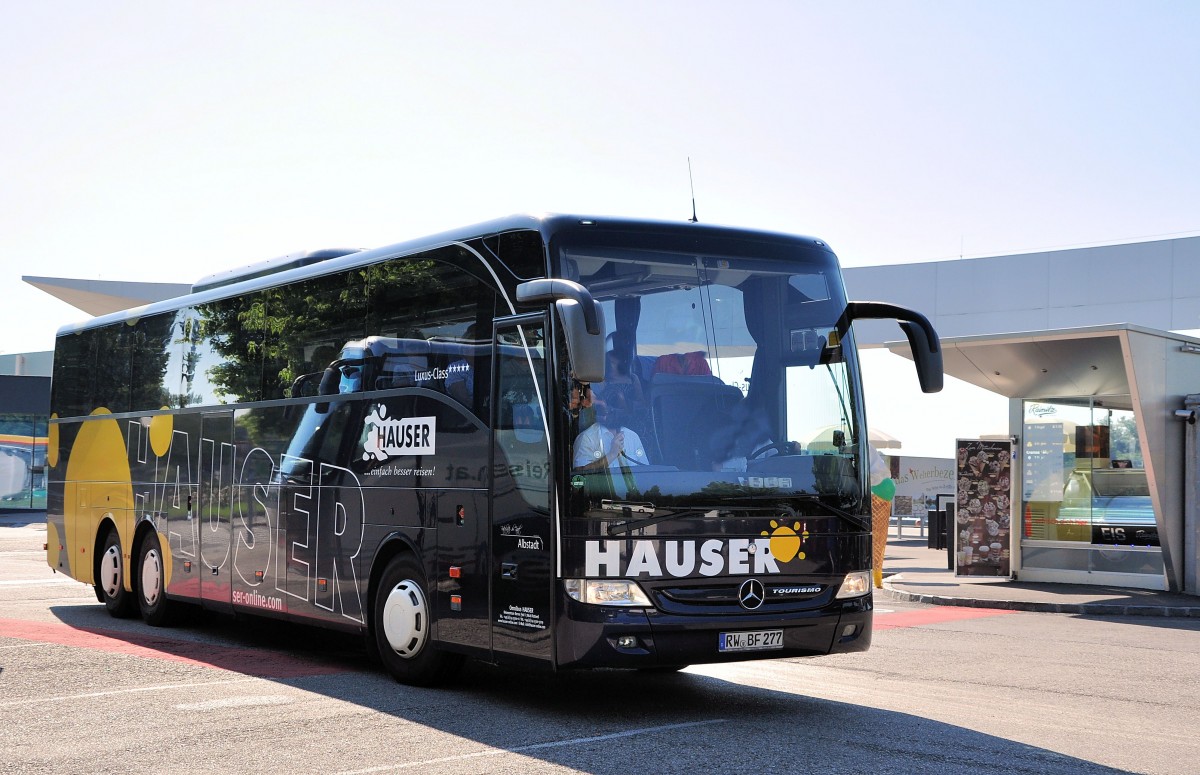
{"x":98,"y":485}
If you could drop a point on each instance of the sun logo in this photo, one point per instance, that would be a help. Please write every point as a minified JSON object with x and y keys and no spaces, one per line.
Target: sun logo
{"x":787,"y":541}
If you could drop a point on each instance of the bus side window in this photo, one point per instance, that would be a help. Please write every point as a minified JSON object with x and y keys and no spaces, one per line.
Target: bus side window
{"x":302,"y":320}
{"x":223,"y":343}
{"x":73,"y":365}
{"x":435,"y":297}
{"x":404,"y":368}
{"x":520,"y":430}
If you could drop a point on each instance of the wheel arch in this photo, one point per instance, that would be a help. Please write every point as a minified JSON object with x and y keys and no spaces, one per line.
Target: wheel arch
{"x":393,"y":546}
{"x":106,"y":524}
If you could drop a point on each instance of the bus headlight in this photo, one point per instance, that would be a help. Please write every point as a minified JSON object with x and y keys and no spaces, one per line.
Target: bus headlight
{"x":855,"y":584}
{"x":607,"y":592}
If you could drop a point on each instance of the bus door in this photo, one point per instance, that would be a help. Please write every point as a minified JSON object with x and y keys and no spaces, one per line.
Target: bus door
{"x":215,"y":508}
{"x":522,"y":540}
{"x":323,"y":514}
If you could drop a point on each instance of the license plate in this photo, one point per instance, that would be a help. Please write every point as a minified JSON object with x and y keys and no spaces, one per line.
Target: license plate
{"x":750,"y":641}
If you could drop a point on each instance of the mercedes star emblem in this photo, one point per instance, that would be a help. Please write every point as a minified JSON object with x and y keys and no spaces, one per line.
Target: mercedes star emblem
{"x":751,"y":594}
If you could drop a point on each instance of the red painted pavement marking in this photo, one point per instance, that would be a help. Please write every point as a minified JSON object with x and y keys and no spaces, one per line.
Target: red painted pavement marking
{"x":938,"y":615}
{"x":261,"y":664}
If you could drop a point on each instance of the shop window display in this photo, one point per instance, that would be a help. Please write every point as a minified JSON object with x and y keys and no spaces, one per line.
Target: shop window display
{"x":1084,"y":481}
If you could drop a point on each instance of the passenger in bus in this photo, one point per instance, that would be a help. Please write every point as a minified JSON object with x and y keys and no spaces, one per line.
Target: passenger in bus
{"x":622,"y":389}
{"x":608,"y":443}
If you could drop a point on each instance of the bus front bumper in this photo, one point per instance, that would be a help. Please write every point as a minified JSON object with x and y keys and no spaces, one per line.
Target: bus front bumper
{"x":602,"y":636}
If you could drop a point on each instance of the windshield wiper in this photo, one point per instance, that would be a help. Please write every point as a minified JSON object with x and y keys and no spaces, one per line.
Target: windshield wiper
{"x":852,"y":519}
{"x":638,"y":524}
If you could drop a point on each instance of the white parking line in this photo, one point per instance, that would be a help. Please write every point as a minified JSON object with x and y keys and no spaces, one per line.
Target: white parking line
{"x":535,"y":746}
{"x":238,"y":702}
{"x":132,"y":690}
{"x":34,"y":582}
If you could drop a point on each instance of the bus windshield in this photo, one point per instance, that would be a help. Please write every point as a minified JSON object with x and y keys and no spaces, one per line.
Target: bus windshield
{"x":720,"y":379}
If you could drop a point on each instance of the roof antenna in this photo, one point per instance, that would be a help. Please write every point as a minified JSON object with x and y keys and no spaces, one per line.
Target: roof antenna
{"x":692,"y":183}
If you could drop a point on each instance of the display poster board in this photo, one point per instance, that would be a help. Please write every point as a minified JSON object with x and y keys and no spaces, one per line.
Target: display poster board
{"x":982,"y":528}
{"x":919,"y":481}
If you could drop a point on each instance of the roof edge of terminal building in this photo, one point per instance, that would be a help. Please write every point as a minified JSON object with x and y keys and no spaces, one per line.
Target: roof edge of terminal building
{"x":1061,"y":289}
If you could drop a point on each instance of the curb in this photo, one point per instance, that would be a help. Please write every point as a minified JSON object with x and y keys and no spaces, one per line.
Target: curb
{"x":1085,"y":609}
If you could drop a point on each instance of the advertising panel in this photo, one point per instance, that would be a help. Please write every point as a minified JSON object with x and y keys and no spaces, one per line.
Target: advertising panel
{"x":919,"y":480}
{"x":983,"y":517}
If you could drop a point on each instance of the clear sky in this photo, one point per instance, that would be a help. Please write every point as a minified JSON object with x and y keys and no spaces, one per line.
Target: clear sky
{"x":165,"y":141}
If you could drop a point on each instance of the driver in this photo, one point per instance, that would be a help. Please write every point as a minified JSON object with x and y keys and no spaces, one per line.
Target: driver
{"x":607,"y":443}
{"x":740,"y":436}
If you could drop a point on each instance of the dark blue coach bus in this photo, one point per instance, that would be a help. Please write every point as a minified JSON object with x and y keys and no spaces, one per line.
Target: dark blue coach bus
{"x":557,"y":441}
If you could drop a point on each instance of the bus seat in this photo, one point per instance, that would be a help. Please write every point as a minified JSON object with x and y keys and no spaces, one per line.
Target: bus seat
{"x":693,"y":363}
{"x":683,"y":410}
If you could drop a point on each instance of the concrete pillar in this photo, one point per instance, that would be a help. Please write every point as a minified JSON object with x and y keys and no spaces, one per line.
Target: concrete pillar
{"x":1191,"y":494}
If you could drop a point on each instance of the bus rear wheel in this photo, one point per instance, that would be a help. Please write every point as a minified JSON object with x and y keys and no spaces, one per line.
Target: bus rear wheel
{"x":401,"y":627}
{"x":156,"y":610}
{"x":110,"y":579}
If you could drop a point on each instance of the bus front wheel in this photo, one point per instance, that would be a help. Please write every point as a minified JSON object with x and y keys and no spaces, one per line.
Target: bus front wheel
{"x":110,"y":579}
{"x":402,"y":625}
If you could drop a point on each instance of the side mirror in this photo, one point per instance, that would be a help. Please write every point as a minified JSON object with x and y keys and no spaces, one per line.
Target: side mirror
{"x":922,"y":339}
{"x":586,"y":350}
{"x":582,"y":319}
{"x":553,"y":289}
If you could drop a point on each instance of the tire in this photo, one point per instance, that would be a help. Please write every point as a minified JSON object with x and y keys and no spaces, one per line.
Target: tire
{"x":401,"y":625}
{"x":156,"y":610}
{"x":110,"y":579}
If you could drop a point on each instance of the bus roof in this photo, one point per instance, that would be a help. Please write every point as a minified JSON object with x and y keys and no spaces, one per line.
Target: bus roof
{"x":297,"y":266}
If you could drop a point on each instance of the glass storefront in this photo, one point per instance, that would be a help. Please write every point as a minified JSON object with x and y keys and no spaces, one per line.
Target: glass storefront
{"x":22,"y":461}
{"x":1086,"y":502}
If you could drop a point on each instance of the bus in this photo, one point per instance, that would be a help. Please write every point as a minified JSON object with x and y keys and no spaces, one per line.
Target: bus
{"x":552,"y":441}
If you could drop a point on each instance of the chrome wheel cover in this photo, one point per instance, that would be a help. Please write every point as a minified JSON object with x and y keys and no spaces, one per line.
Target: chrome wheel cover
{"x":152,"y":580}
{"x":406,"y":619}
{"x":110,"y":571}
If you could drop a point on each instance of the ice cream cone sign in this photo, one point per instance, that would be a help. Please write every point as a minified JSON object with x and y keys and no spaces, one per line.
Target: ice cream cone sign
{"x":883,"y":489}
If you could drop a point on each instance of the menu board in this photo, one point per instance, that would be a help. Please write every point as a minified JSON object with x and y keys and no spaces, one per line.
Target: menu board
{"x":1042,"y":463}
{"x":983,"y":513}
